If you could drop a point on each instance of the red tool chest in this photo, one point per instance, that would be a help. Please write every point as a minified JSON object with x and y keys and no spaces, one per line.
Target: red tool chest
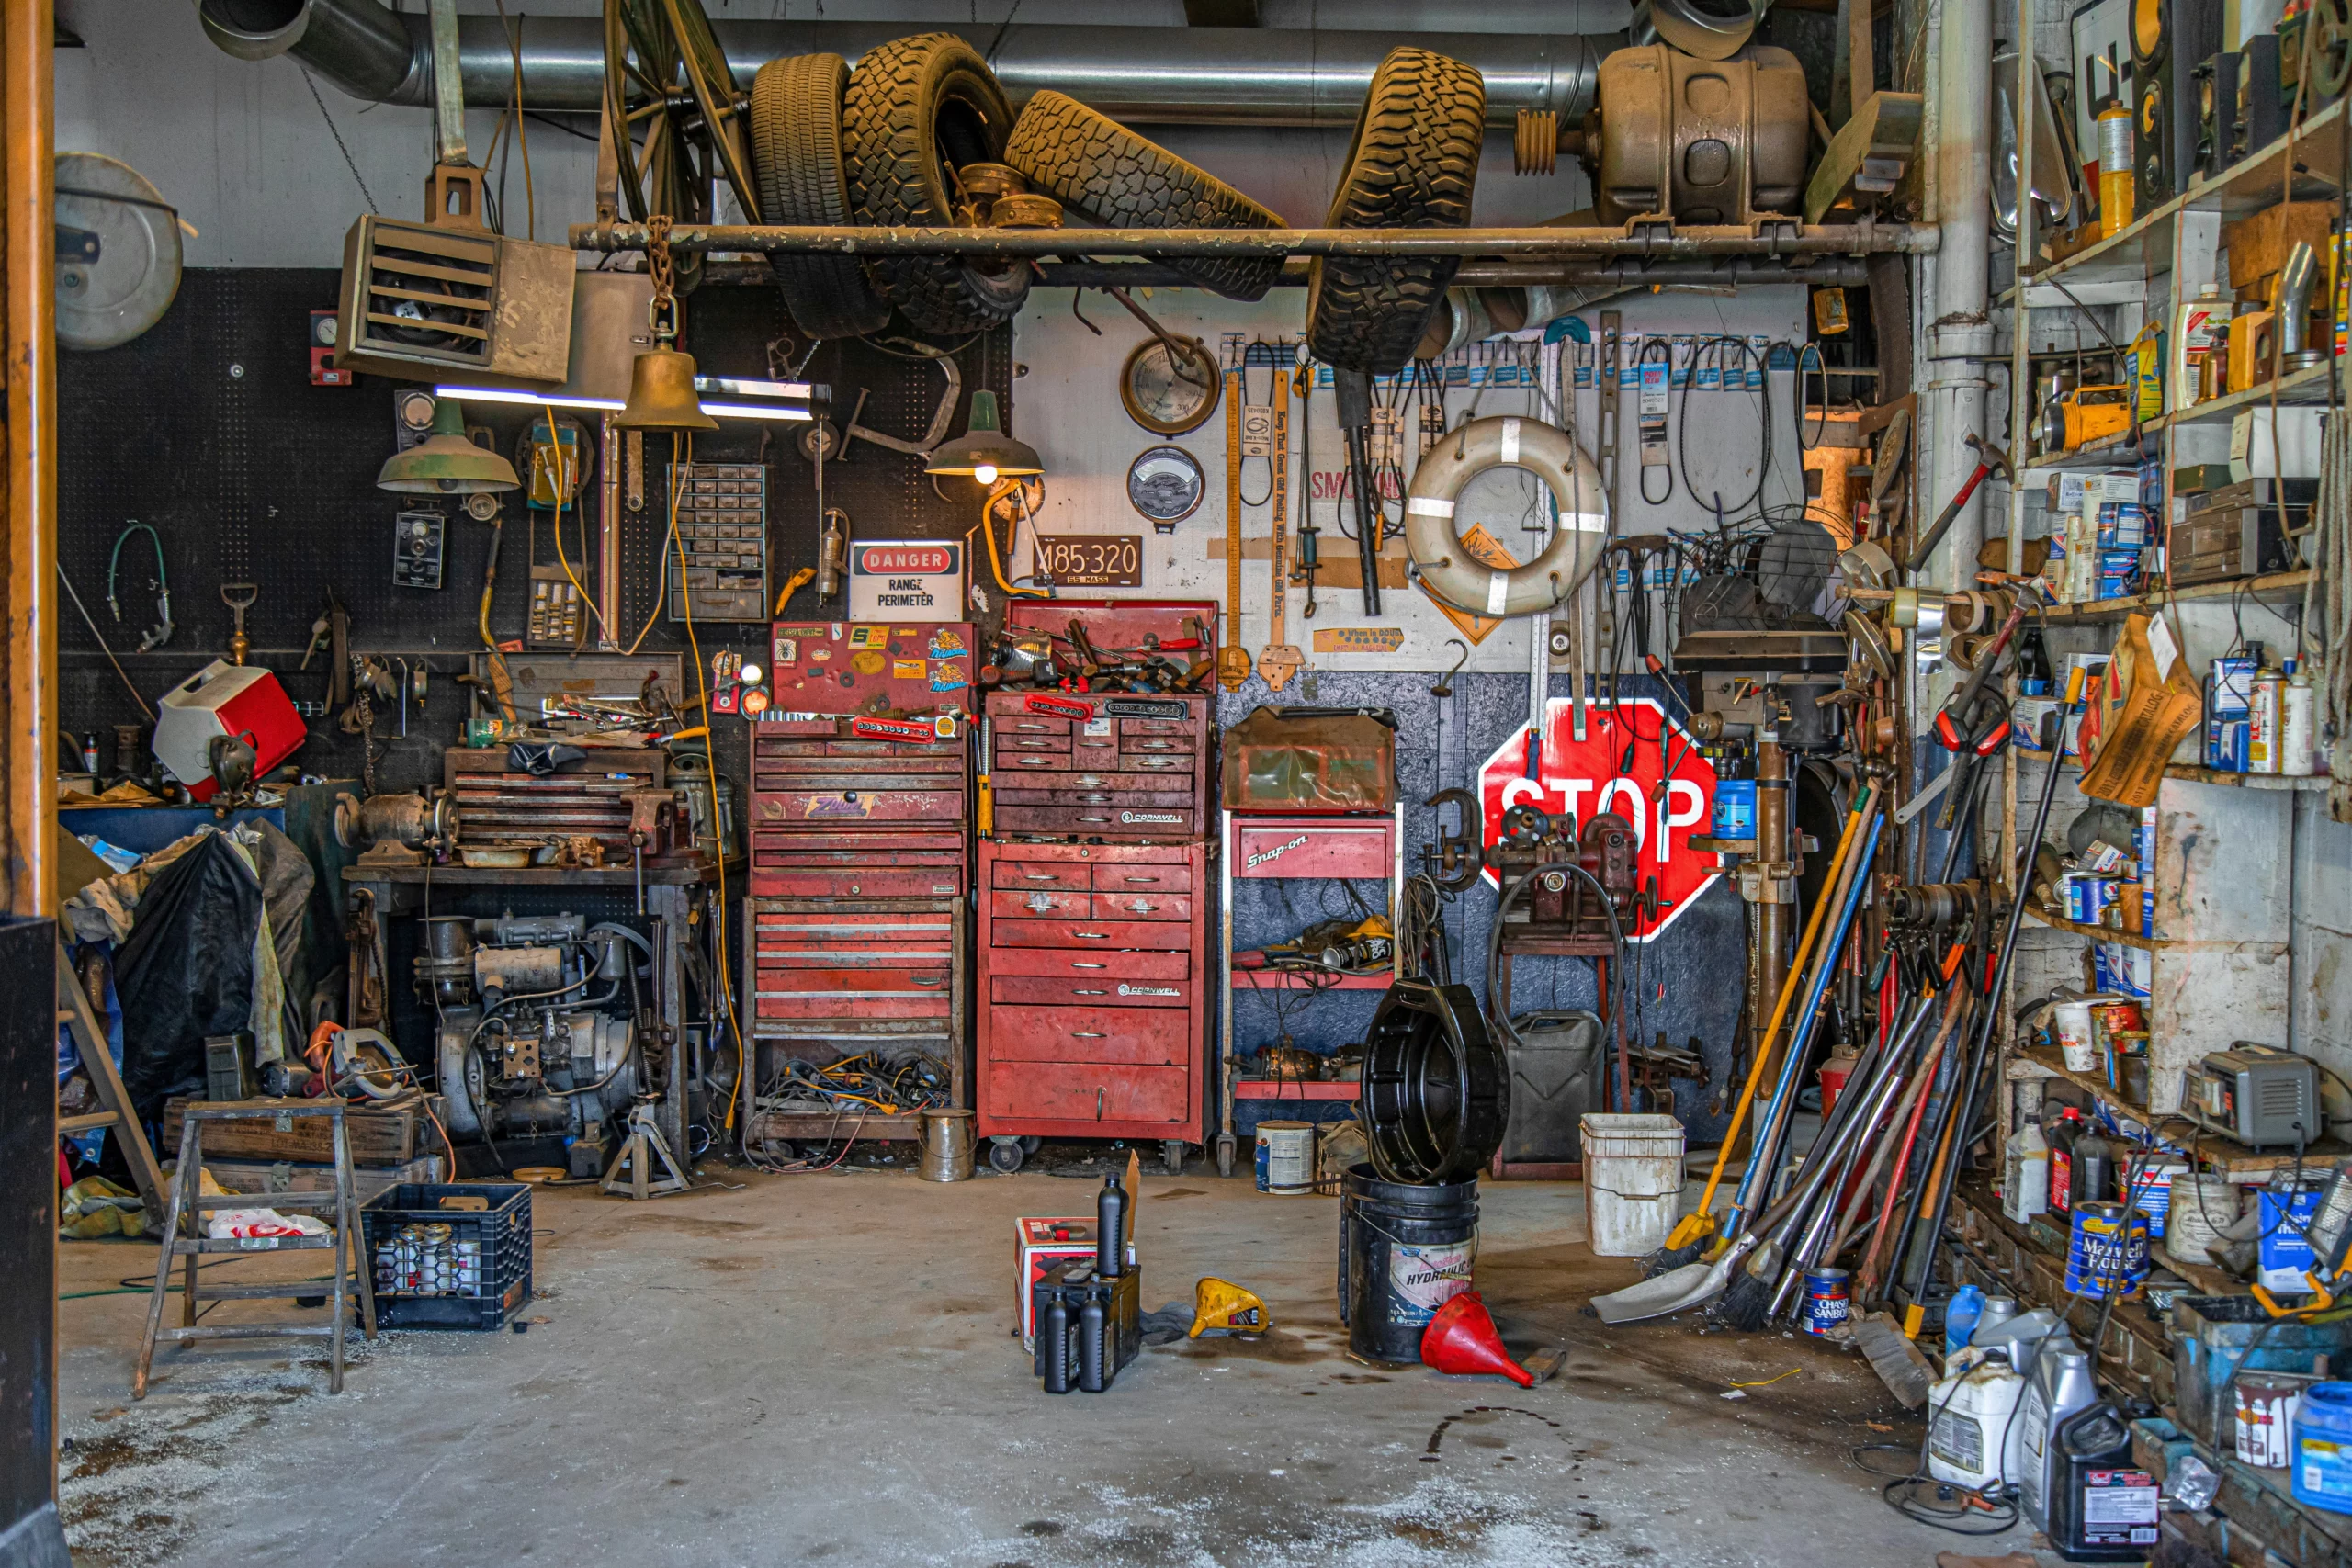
{"x":1095,"y":983}
{"x":1132,"y":769}
{"x":860,"y":848}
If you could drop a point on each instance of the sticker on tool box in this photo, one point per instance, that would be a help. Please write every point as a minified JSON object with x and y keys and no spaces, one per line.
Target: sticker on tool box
{"x":869,"y":636}
{"x":1423,"y":1279}
{"x":949,"y":677}
{"x":943,"y":643}
{"x":908,"y":670}
{"x":848,"y":805}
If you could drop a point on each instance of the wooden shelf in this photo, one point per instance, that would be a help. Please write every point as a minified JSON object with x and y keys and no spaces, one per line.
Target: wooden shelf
{"x":2245,"y":781}
{"x":2222,"y":1155}
{"x":2303,"y":389}
{"x":2277,"y":588}
{"x":1293,"y":1088}
{"x":2118,"y":453}
{"x":2096,"y":933}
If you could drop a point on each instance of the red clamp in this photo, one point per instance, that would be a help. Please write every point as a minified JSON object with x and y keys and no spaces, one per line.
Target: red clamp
{"x":920,"y":731}
{"x":1060,"y":707}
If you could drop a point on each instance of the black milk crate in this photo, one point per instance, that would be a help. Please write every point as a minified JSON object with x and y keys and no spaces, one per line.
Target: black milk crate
{"x":477,"y":1277}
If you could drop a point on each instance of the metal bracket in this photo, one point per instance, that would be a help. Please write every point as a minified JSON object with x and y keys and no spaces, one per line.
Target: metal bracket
{"x":942,"y":417}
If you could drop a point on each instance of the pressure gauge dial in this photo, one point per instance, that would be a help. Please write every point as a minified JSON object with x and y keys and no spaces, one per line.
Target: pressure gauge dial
{"x":1169,"y":391}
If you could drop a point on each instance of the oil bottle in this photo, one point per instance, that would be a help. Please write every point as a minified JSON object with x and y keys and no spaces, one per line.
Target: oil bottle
{"x":2061,"y":1385}
{"x":2025,"y":1174}
{"x":2063,"y":1138}
{"x":2101,"y":1509}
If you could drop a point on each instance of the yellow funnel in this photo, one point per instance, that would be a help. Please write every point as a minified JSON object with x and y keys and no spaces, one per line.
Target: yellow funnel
{"x":1219,"y":1304}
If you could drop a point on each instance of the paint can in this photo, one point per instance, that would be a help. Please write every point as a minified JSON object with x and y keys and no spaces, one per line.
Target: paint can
{"x":2201,"y":1208}
{"x":1828,"y":1296}
{"x":2266,"y":1406}
{"x":946,"y":1145}
{"x":1286,"y":1158}
{"x":1406,"y":1250}
{"x":2108,"y":1252}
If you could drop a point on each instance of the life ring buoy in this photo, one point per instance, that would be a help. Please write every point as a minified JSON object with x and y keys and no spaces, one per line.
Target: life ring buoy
{"x":1553,"y":456}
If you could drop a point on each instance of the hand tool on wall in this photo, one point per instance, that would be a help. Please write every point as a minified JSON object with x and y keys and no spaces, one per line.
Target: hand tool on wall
{"x":1278,"y":660}
{"x":239,"y":597}
{"x":1988,"y":456}
{"x":1353,"y":388}
{"x":160,"y":633}
{"x":1232,"y":659}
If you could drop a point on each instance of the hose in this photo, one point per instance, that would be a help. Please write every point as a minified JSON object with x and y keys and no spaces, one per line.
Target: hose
{"x":1495,"y":942}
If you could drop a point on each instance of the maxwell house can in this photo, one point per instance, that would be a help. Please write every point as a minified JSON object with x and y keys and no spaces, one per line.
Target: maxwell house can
{"x":1828,"y":1297}
{"x":2107,"y":1254}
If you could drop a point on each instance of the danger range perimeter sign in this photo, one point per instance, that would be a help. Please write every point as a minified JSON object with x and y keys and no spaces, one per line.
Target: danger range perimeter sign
{"x":1581,"y":779}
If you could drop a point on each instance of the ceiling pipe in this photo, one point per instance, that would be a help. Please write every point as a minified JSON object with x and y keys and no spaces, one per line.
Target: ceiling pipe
{"x":1143,"y":75}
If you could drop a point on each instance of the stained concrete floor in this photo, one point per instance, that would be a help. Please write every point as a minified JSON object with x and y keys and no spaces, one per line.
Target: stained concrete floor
{"x":817,"y":1368}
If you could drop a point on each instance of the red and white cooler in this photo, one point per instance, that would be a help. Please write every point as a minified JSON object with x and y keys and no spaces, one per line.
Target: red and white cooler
{"x":224,"y":699}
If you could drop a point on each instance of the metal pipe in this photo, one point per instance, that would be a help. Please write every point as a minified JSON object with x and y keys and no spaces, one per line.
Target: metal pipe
{"x":1729,"y":272}
{"x":1961,"y":327}
{"x":849,"y":240}
{"x":1144,"y":75}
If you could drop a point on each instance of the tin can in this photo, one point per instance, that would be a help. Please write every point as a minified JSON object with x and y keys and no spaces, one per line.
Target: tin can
{"x":2266,"y":1406}
{"x":1827,"y":1298}
{"x":2108,"y":1253}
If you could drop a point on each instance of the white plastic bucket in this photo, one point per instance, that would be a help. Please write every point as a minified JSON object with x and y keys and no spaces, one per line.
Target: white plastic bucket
{"x":2070,"y":1022}
{"x":1633,"y":1181}
{"x":1286,"y":1158}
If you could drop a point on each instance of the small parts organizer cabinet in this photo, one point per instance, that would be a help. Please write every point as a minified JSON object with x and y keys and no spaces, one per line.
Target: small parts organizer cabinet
{"x":1130,"y":769}
{"x":1093,"y":959}
{"x":857,"y":917}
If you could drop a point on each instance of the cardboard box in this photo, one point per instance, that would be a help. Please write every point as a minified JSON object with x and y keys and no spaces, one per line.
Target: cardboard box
{"x":2146,"y":706}
{"x":1038,"y":1245}
{"x":2258,"y":244}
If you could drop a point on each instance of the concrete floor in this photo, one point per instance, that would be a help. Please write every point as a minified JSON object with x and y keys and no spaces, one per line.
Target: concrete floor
{"x":818,"y":1367}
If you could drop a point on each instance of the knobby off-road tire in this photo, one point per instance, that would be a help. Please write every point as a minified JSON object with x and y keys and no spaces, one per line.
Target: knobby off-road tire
{"x":1093,"y":163}
{"x":915,"y":111}
{"x":1412,"y":164}
{"x":796,"y":158}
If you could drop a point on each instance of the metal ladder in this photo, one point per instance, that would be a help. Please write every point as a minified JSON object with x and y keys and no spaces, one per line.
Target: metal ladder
{"x":188,"y":1207}
{"x":97,"y":1063}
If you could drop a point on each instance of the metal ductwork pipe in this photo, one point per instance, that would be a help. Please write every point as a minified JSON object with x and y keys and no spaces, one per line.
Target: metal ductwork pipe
{"x":1144,"y":76}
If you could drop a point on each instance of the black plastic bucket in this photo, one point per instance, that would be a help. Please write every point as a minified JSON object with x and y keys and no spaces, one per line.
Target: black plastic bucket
{"x":1405,"y":1250}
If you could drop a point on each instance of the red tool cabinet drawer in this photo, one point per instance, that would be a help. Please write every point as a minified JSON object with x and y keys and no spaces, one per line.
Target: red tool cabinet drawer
{"x":1040,"y":903}
{"x":855,"y":849}
{"x":942,"y":882}
{"x":1010,"y":762}
{"x":1049,"y":962}
{"x":1083,"y":990}
{"x":1084,"y":935}
{"x":872,"y":756}
{"x":832,"y":809}
{"x":784,"y":992}
{"x":1089,"y":1092}
{"x":1141,"y":905}
{"x":1153,"y":745}
{"x":1030,"y":724}
{"x":1138,"y":1036}
{"x":1073,"y":795}
{"x":1022,"y":745}
{"x":1098,"y":821}
{"x":1268,"y":847}
{"x":1177,"y":766}
{"x":1040,"y":873}
{"x":1183,"y":726}
{"x":1139,"y":876}
{"x":863,"y":941}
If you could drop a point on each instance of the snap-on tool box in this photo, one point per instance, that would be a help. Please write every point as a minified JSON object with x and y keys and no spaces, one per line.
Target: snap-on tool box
{"x":861,"y":811}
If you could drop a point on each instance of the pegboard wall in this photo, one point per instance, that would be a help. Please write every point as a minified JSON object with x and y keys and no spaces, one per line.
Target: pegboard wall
{"x":208,"y":428}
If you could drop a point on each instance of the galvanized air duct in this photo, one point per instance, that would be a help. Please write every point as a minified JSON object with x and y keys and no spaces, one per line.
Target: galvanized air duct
{"x":1144,"y":75}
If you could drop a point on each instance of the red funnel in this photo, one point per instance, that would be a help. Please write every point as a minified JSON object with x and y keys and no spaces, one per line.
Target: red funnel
{"x":1461,"y":1339}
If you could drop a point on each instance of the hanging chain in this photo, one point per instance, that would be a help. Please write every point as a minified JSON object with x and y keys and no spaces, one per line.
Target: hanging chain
{"x":663,"y":312}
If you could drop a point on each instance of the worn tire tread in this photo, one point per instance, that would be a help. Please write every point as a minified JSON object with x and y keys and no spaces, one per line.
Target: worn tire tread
{"x":1413,"y":164}
{"x":895,"y":180}
{"x":795,"y":123}
{"x":1089,"y":161}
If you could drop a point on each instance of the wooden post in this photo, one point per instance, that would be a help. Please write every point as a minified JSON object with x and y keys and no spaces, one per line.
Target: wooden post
{"x":28,"y":762}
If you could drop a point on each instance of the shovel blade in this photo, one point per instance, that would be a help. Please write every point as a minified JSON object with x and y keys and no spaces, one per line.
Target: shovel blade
{"x":1677,"y":1290}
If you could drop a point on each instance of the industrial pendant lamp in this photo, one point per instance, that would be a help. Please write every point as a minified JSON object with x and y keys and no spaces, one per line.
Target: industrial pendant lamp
{"x":984,"y":452}
{"x":445,"y":462}
{"x":661,"y":379}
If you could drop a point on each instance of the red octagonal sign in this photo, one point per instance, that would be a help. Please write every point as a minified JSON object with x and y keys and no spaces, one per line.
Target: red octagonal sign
{"x":1583,"y":778}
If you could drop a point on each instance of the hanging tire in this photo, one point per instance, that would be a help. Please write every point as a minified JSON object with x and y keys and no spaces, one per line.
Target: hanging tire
{"x":797,"y":159}
{"x":1093,"y":163}
{"x":916,"y":109}
{"x":1412,"y":164}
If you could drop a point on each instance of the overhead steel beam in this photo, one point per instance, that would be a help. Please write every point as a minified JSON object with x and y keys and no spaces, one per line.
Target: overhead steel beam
{"x":1660,"y":243}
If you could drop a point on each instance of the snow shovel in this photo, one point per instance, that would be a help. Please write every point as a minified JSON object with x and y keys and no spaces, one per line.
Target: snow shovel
{"x":1677,"y":1290}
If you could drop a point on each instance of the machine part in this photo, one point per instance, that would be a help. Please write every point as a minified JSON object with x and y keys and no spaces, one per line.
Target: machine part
{"x":1454,"y":861}
{"x":123,"y":269}
{"x":1935,"y":906}
{"x":1698,"y":142}
{"x":916,"y":109}
{"x":1165,"y":483}
{"x":515,"y":971}
{"x":1411,"y":164}
{"x":2052,"y":192}
{"x":1554,"y":457}
{"x":239,"y":597}
{"x":667,"y":81}
{"x":401,"y":823}
{"x":832,"y":554}
{"x":1169,"y":391}
{"x":1118,"y":179}
{"x":1162,"y":75}
{"x":438,"y":301}
{"x":796,"y":157}
{"x":1717,"y":34}
{"x":1436,"y":1089}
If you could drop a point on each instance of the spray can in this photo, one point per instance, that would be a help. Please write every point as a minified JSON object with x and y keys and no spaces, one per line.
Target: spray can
{"x":2148,"y":374}
{"x":2116,"y":185}
{"x":2192,"y":338}
{"x":2264,"y":745}
{"x":2298,"y":725}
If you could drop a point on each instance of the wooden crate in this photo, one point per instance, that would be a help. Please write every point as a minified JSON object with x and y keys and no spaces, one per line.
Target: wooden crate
{"x":377,"y":1137}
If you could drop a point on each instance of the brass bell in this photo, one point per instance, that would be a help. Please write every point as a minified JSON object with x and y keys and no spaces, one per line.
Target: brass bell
{"x":661,"y":394}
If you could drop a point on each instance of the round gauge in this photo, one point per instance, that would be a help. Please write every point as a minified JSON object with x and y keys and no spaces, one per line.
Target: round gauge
{"x":414,"y":409}
{"x":1169,"y":391}
{"x":1166,"y":483}
{"x":482,"y":506}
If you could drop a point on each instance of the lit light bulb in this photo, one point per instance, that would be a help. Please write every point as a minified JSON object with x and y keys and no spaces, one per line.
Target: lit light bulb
{"x":985,"y":473}
{"x":749,"y":674}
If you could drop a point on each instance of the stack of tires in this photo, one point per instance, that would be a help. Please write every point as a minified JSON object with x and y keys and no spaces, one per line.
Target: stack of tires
{"x":883,"y":145}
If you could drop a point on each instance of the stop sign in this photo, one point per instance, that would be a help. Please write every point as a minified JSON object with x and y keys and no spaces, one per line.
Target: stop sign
{"x":1584,"y":778}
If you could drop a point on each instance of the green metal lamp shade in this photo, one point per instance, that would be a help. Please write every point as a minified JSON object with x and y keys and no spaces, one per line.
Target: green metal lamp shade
{"x":984,"y":452}
{"x":445,"y":463}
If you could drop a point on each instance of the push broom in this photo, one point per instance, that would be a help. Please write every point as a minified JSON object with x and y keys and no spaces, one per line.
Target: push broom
{"x":1696,"y":1229}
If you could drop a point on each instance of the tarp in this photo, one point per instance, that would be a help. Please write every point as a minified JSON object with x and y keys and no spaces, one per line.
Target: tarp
{"x":187,"y":970}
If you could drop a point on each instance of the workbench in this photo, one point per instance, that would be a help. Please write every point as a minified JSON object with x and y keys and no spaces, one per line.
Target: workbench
{"x":675,"y":899}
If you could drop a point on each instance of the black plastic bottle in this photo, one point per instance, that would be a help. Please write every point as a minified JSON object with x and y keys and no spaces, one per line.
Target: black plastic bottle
{"x":2093,"y":1170}
{"x":2035,"y":678}
{"x":1053,"y":1343}
{"x":1094,"y":1352}
{"x":2101,"y":1509}
{"x":1110,"y":1229}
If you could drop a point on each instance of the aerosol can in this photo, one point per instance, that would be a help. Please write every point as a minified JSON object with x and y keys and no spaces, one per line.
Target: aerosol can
{"x":832,"y":553}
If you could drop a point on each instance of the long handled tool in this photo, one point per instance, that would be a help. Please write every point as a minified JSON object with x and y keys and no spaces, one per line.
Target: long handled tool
{"x":1693,"y":1229}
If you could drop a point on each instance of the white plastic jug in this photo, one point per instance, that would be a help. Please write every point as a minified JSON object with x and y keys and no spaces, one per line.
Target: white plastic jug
{"x":1972,"y":1438}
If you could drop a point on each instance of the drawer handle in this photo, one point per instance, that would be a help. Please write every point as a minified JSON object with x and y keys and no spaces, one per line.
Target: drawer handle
{"x":1030,"y":726}
{"x":1141,"y":879}
{"x":1087,"y":799}
{"x":1098,"y":1105}
{"x":1083,"y":991}
{"x":1041,"y":876}
{"x":1155,"y":762}
{"x":932,"y":985}
{"x":1095,"y":820}
{"x":1092,"y":936}
{"x":1155,"y":746}
{"x":1091,"y":778}
{"x":1075,"y":965}
{"x":1088,"y":1035}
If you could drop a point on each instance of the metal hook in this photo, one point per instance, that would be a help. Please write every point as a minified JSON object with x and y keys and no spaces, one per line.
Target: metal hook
{"x":1075,"y":296}
{"x":1445,"y":687}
